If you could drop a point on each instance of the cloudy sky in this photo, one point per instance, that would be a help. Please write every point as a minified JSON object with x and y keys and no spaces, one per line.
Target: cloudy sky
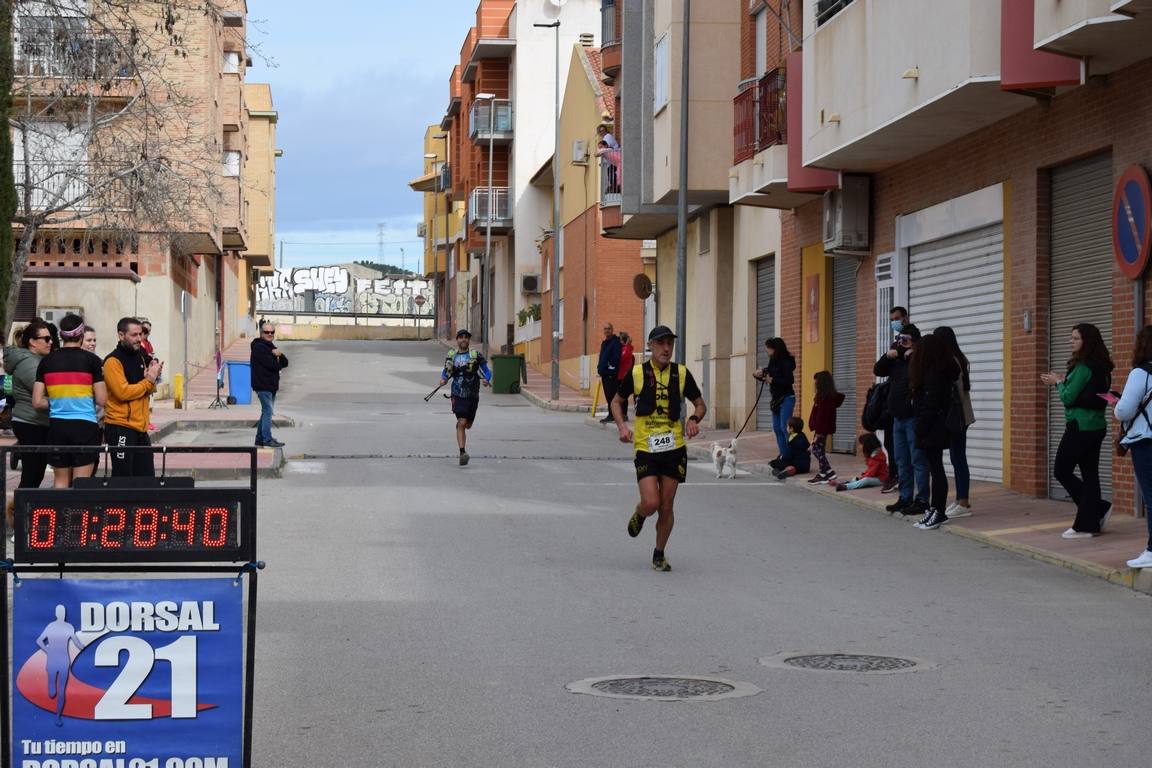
{"x":355,"y":82}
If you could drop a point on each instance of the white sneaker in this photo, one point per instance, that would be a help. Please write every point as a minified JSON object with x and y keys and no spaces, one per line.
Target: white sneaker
{"x":1072,"y":533}
{"x":955,"y":510}
{"x":1144,"y":561}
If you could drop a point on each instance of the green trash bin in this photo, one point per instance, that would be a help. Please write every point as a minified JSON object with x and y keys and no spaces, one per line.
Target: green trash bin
{"x":506,"y":373}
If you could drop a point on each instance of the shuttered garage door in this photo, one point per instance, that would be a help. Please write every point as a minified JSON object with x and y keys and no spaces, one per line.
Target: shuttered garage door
{"x":844,"y":350}
{"x":765,"y":329}
{"x":959,"y":282}
{"x":1081,"y":281}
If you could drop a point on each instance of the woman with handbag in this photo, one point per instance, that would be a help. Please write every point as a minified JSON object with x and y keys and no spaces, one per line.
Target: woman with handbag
{"x":780,"y":373}
{"x":932,"y":377}
{"x":958,"y":437}
{"x":1136,"y":429}
{"x":1088,"y":376}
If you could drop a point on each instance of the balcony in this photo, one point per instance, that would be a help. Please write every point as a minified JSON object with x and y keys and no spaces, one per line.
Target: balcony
{"x":610,"y":53}
{"x":759,"y":175}
{"x":73,"y":185}
{"x":826,"y":9}
{"x":882,"y":85}
{"x":46,"y":51}
{"x":491,"y":121}
{"x":759,"y":120}
{"x":501,"y":209}
{"x":610,"y":178}
{"x":1110,"y":34}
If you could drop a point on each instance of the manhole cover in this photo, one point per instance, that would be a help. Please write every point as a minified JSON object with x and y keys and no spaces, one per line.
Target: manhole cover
{"x":861,"y":663}
{"x":663,"y":688}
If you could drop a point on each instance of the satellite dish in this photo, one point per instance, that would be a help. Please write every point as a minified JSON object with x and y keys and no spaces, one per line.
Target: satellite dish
{"x":557,"y":3}
{"x":642,"y":286}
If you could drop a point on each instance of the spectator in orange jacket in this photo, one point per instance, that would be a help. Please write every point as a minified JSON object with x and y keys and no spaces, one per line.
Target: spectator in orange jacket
{"x":130,"y":376}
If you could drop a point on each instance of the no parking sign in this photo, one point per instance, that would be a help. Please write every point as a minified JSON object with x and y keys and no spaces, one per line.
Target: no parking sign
{"x":1132,"y":222}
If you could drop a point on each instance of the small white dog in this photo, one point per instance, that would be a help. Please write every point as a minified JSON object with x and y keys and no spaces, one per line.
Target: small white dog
{"x":724,"y":458}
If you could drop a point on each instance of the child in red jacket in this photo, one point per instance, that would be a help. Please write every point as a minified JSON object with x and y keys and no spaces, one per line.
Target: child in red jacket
{"x":822,"y":422}
{"x":875,"y":474}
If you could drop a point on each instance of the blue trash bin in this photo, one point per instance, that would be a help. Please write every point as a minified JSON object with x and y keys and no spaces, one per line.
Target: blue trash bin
{"x":240,"y":381}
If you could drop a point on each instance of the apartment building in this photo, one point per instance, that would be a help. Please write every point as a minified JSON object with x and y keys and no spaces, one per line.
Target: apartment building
{"x":190,"y":274}
{"x":443,"y":232}
{"x":597,"y":274}
{"x":501,"y":116}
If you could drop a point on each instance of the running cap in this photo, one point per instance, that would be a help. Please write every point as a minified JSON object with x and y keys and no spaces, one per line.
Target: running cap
{"x":659,"y":332}
{"x":463,"y":332}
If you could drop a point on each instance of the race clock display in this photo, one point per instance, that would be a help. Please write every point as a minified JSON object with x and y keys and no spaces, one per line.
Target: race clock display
{"x":133,"y":525}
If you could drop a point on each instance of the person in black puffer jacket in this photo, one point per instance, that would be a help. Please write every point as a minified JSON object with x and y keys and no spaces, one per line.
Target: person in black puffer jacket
{"x":912,"y":465}
{"x":932,"y":376}
{"x":780,"y":373}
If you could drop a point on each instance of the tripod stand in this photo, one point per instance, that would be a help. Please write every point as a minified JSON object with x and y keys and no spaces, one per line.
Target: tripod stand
{"x":219,"y":402}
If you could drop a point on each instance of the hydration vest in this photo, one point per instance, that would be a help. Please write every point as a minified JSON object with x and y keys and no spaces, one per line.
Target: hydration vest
{"x":469,"y":367}
{"x":644,"y":385}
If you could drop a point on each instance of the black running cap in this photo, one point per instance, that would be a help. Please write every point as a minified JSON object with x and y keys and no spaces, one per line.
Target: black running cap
{"x":463,"y":332}
{"x":659,"y":332}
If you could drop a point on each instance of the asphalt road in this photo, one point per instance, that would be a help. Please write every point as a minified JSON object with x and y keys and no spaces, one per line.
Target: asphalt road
{"x":415,"y":613}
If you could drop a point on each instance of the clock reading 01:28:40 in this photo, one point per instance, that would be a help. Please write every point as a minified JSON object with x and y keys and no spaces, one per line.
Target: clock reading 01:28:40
{"x":131,"y":527}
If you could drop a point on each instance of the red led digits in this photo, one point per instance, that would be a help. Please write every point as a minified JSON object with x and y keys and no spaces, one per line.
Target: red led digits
{"x":115,"y":519}
{"x":146,"y":527}
{"x":42,"y":533}
{"x":184,"y":522}
{"x":215,"y":527}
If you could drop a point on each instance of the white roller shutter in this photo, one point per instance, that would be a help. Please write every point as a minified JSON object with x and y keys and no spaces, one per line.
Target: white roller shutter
{"x":1081,"y":282}
{"x":765,"y":329}
{"x":844,"y":351}
{"x":958,"y":281}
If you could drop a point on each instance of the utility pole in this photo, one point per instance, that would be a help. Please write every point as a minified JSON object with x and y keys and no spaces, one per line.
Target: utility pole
{"x":557,"y":226}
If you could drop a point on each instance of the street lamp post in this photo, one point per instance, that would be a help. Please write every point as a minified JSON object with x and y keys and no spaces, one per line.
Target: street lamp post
{"x":484,"y":287}
{"x":557,"y":229}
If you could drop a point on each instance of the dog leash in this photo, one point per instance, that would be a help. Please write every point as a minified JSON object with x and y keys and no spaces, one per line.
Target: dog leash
{"x":751,"y":411}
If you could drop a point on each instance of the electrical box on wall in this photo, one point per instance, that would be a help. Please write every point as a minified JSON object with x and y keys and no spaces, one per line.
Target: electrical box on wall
{"x":579,"y":150}
{"x":847,"y":216}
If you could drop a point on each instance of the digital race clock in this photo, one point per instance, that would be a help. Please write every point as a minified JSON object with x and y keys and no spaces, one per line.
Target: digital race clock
{"x":133,"y":525}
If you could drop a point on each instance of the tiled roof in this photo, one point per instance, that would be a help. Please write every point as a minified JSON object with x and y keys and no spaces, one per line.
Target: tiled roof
{"x":606,"y":94}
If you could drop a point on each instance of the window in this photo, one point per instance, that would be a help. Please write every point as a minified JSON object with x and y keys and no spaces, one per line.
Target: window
{"x":231,"y":162}
{"x":660,"y":74}
{"x":704,"y":232}
{"x":826,"y":9}
{"x":232,"y":62}
{"x":761,"y":42}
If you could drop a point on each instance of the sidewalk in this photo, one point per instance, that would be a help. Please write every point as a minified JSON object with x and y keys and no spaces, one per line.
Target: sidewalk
{"x":539,"y":391}
{"x":1001,"y":518}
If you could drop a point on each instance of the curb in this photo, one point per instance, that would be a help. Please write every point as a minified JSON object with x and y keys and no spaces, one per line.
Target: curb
{"x":1139,"y":580}
{"x":550,"y":405}
{"x":194,"y":425}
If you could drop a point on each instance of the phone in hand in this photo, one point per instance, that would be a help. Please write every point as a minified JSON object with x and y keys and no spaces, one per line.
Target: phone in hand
{"x":1111,"y":398}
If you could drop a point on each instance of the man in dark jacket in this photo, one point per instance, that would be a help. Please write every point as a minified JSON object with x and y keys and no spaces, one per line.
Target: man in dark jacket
{"x":913,"y":465}
{"x":607,"y":367}
{"x":267,"y":361}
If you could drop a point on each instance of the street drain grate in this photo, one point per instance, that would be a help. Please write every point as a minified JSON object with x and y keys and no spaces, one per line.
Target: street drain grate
{"x":663,"y":688}
{"x":859,"y":663}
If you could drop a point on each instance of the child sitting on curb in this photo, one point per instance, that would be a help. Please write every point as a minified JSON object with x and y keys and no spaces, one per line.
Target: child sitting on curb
{"x":875,"y":474}
{"x":796,"y":460}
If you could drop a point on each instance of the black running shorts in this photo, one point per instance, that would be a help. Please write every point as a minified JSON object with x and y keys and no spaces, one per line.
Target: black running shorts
{"x":465,"y":407}
{"x":74,"y":433}
{"x":673,"y":464}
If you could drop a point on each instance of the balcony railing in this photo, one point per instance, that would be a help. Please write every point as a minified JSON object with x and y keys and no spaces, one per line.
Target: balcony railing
{"x":501,"y":207}
{"x":608,"y":23}
{"x":760,"y":116}
{"x":482,"y":118}
{"x":826,"y":9}
{"x":610,"y":177}
{"x":444,"y":178}
{"x":72,"y":185}
{"x":76,"y":55}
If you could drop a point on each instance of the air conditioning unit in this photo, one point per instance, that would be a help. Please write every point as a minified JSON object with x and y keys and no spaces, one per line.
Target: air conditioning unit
{"x":529,"y":283}
{"x":579,"y":150}
{"x":421,"y":230}
{"x":847,"y":216}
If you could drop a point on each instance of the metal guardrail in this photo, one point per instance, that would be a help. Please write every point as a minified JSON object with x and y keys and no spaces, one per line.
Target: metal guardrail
{"x":608,"y":23}
{"x":478,"y":205}
{"x":610,"y":178}
{"x":44,"y":51}
{"x":826,"y":9}
{"x":759,"y":115}
{"x":481,"y":118}
{"x":55,"y":183}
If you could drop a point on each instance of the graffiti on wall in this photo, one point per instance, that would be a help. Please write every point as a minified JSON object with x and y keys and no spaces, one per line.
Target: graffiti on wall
{"x":334,"y":289}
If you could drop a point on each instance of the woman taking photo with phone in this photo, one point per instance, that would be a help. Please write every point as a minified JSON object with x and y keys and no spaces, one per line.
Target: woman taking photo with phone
{"x":1088,"y":376}
{"x":1136,"y":429}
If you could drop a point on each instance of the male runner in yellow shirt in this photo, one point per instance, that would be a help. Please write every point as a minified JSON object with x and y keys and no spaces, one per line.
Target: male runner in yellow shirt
{"x":659,"y":387}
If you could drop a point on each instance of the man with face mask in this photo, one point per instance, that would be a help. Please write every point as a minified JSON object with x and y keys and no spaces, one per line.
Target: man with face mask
{"x":911,"y":460}
{"x":897,"y":319}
